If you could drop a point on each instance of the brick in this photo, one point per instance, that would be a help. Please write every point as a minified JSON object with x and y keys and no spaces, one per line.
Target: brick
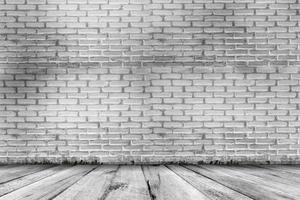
{"x":96,"y":72}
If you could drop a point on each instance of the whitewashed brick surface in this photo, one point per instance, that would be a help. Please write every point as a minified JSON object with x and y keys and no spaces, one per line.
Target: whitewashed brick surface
{"x":149,"y":81}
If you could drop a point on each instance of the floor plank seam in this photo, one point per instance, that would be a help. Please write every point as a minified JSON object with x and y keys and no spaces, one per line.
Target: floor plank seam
{"x":24,"y":175}
{"x":150,"y":182}
{"x":152,"y":196}
{"x":218,"y":182}
{"x":188,"y":182}
{"x":108,"y":188}
{"x":182,"y":178}
{"x":29,"y":183}
{"x":73,"y":183}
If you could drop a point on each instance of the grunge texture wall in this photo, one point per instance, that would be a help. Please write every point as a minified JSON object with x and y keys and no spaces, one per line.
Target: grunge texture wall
{"x":131,"y":81}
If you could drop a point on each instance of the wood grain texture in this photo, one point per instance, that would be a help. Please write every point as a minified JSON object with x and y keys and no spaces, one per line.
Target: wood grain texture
{"x":263,"y":178}
{"x":165,"y":184}
{"x":92,"y":187}
{"x":14,"y":172}
{"x":210,"y":188}
{"x":3,"y":167}
{"x":29,"y":179}
{"x":290,"y":169}
{"x":128,"y":184}
{"x":283,"y":180}
{"x":171,"y":182}
{"x":49,"y":187}
{"x":240,"y":184}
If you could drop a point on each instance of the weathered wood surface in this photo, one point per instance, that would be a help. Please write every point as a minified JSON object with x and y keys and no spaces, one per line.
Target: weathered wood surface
{"x":290,"y":169}
{"x":129,"y":183}
{"x":264,"y":180}
{"x":93,"y":186}
{"x":171,"y":182}
{"x":165,"y":184}
{"x":241,"y":184}
{"x":210,"y":188}
{"x":29,"y":179}
{"x":49,"y":187}
{"x":8,"y":174}
{"x":286,"y":182}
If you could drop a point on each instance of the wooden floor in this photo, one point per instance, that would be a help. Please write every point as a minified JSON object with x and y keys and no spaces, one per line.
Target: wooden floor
{"x":169,"y":182}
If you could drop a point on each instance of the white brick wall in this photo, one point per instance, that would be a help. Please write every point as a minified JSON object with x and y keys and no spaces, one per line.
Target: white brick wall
{"x":149,"y":81}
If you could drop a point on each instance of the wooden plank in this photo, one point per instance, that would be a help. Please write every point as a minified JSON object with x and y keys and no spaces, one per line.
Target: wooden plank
{"x":239,"y":184}
{"x":165,"y":184}
{"x":279,"y":177}
{"x":92,"y":186}
{"x":293,"y":169}
{"x":12,"y":173}
{"x":128,"y":184}
{"x":7,"y":166}
{"x":210,"y":188}
{"x":50,"y":187}
{"x":262,"y":178}
{"x":29,"y":179}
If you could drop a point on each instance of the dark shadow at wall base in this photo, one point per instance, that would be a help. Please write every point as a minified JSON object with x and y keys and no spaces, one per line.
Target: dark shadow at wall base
{"x":153,"y":161}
